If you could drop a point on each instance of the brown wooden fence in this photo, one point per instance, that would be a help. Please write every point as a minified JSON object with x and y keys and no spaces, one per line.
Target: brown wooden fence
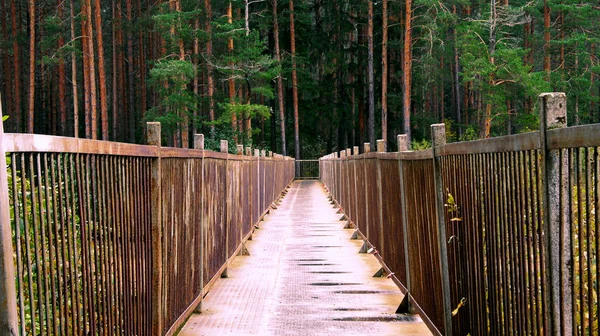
{"x":498,"y":236}
{"x":106,"y":238}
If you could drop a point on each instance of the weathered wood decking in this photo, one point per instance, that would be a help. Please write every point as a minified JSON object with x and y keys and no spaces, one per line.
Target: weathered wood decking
{"x":304,"y":276}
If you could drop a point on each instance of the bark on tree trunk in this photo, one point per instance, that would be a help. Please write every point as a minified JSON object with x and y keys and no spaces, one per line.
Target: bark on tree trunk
{"x":407,"y":68}
{"x":234,"y":123}
{"x":130,"y":70}
{"x":8,"y":85}
{"x":62,"y":106}
{"x":280,"y":93}
{"x":294,"y":82}
{"x":370,"y":78}
{"x":74,"y":77}
{"x":384,"y":74}
{"x":101,"y":71}
{"x":17,"y":68}
{"x":31,"y":86}
{"x":115,"y":73}
{"x":210,"y":78}
{"x":547,"y":39}
{"x":142,"y":62}
{"x":457,"y":97}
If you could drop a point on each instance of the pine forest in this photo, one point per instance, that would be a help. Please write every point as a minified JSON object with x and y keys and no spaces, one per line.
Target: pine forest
{"x":299,"y":77}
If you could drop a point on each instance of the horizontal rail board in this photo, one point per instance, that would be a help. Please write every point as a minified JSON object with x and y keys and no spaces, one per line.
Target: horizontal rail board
{"x":572,"y":137}
{"x":509,"y":143}
{"x":23,"y":143}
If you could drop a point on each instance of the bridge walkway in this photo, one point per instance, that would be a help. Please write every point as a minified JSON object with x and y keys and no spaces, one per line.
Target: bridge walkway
{"x":303,"y":276}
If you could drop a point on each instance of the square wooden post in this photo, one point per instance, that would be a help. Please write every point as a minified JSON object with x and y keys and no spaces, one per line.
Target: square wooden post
{"x":8,"y":296}
{"x":154,"y":139}
{"x":557,"y":225}
{"x":438,"y":138}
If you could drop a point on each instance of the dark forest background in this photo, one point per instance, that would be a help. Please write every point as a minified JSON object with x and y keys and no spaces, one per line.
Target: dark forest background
{"x":299,"y":77}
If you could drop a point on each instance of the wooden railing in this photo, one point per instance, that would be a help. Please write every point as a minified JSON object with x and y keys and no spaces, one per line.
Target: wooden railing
{"x":119,"y":239}
{"x":498,"y":236}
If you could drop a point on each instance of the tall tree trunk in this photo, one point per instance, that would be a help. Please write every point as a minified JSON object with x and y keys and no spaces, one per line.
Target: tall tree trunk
{"x":209,"y":53}
{"x":115,"y":72}
{"x":199,"y":75}
{"x":407,"y":68}
{"x":247,"y":17}
{"x":101,"y":71}
{"x":31,"y":86}
{"x":8,"y":85}
{"x":74,"y":77}
{"x":456,"y":79}
{"x":234,"y":123}
{"x":130,"y":71}
{"x":370,"y":78}
{"x":17,"y":68}
{"x":91,"y":125}
{"x":185,"y":129}
{"x":487,"y":122}
{"x":121,"y":81}
{"x":280,"y":93}
{"x":62,"y":104}
{"x":142,"y":63}
{"x":547,"y":39}
{"x":384,"y":74}
{"x":294,"y":81}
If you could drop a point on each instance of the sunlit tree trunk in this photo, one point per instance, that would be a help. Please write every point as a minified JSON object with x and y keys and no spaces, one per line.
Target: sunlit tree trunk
{"x":209,"y":54}
{"x":101,"y":71}
{"x":231,"y":82}
{"x":74,"y":77}
{"x":294,"y":80}
{"x":280,"y":93}
{"x":407,"y":68}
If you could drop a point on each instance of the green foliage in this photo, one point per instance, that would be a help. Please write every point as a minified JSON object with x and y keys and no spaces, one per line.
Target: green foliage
{"x":171,"y":78}
{"x":419,"y":145}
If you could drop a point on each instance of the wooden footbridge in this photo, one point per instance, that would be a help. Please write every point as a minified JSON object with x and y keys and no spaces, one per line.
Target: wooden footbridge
{"x":492,"y":237}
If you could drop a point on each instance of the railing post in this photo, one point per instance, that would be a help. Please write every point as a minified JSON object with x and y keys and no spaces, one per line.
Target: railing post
{"x":199,"y":145}
{"x":366,"y":193}
{"x":380,"y":149}
{"x":259,"y":184}
{"x":557,"y":226}
{"x":224,"y":147}
{"x":154,"y":139}
{"x":240,"y":150}
{"x":405,"y":306}
{"x":199,"y":141}
{"x":8,"y":296}
{"x":354,"y":164}
{"x":438,"y":138}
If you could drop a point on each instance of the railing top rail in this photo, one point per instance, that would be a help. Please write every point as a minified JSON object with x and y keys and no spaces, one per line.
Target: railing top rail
{"x":27,"y":143}
{"x":507,"y":143}
{"x":573,"y":137}
{"x":15,"y":143}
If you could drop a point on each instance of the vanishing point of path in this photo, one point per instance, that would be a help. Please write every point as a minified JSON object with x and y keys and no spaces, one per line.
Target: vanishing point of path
{"x":304,"y":276}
